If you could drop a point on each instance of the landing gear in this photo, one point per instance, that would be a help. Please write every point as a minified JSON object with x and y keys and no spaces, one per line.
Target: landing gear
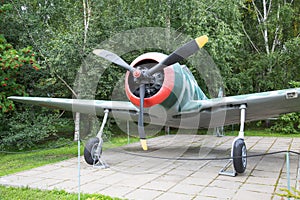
{"x":238,"y":150}
{"x":93,"y":148}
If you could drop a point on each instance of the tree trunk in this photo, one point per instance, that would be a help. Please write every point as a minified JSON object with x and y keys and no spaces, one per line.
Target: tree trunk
{"x":77,"y":126}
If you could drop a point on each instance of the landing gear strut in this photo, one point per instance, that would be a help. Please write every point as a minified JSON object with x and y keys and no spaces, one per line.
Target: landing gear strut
{"x":93,"y":148}
{"x":238,"y":150}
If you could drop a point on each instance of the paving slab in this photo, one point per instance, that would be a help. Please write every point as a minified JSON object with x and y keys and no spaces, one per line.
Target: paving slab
{"x":143,"y":194}
{"x":170,"y":170}
{"x":219,"y":193}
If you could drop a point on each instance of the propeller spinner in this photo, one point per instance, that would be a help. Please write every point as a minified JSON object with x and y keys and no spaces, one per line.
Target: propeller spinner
{"x":143,"y":77}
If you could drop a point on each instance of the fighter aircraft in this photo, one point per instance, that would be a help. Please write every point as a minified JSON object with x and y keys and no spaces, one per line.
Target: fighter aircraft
{"x":161,"y":91}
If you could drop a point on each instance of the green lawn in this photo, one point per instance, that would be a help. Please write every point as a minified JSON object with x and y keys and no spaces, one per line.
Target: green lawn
{"x":261,"y":133}
{"x":11,"y":193}
{"x":16,"y":162}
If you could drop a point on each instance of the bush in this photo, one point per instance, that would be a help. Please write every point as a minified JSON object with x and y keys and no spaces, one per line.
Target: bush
{"x":17,"y":68}
{"x":27,"y":129}
{"x":287,"y":123}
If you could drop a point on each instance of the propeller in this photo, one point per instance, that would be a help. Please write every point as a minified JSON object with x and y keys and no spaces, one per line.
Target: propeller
{"x":180,"y":54}
{"x":141,"y":129}
{"x":142,"y":77}
{"x":114,"y":58}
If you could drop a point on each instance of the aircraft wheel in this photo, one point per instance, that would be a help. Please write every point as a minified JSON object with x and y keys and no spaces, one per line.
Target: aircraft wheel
{"x":239,"y":149}
{"x":90,"y":155}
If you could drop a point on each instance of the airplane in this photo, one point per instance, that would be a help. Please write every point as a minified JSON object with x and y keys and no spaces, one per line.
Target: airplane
{"x":161,"y":91}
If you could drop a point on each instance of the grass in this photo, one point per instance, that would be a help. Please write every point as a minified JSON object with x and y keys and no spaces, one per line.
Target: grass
{"x":20,"y":161}
{"x":260,"y":133}
{"x":11,"y":193}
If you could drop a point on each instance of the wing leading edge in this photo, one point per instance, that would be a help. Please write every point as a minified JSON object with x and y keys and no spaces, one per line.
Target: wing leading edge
{"x":79,"y":105}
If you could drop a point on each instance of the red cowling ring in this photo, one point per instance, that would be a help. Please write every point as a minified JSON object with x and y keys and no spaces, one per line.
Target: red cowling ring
{"x":160,"y":96}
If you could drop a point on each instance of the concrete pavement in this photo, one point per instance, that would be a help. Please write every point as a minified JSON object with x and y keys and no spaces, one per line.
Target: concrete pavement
{"x":157,"y":174}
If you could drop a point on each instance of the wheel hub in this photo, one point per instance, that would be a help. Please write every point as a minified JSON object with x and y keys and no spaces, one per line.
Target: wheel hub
{"x":244,"y":156}
{"x":94,"y":153}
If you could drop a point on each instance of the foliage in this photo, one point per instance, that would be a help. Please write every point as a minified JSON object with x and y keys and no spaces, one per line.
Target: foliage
{"x":56,"y":32}
{"x":26,"y":129}
{"x":15,"y":64}
{"x":295,"y":194}
{"x":288,"y":123}
{"x":11,"y":193}
{"x":223,"y":21}
{"x":271,"y":46}
{"x":258,"y":132}
{"x":52,"y":28}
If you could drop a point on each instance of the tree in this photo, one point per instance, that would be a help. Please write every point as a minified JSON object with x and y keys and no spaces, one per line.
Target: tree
{"x":255,"y":44}
{"x":274,"y":23}
{"x":270,"y":27}
{"x":20,"y":74}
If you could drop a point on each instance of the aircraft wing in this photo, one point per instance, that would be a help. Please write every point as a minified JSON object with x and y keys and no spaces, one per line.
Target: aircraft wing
{"x":80,"y":105}
{"x":196,"y":114}
{"x":224,"y":111}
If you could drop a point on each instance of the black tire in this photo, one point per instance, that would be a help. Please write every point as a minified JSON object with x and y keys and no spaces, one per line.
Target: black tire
{"x":239,"y":150}
{"x":89,"y":151}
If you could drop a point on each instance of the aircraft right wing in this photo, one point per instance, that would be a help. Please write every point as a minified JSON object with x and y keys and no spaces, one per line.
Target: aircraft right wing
{"x":80,"y":105}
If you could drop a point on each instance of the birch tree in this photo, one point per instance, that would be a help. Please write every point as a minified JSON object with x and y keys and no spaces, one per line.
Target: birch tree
{"x":86,"y":22}
{"x":270,"y":26}
{"x":272,"y":18}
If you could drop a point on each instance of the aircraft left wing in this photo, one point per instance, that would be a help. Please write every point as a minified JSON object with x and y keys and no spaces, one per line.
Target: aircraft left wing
{"x":79,"y":105}
{"x":224,"y":111}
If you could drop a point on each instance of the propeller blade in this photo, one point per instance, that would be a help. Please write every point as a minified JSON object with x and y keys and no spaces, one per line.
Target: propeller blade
{"x":114,"y":58}
{"x":141,"y":129}
{"x":180,"y":54}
